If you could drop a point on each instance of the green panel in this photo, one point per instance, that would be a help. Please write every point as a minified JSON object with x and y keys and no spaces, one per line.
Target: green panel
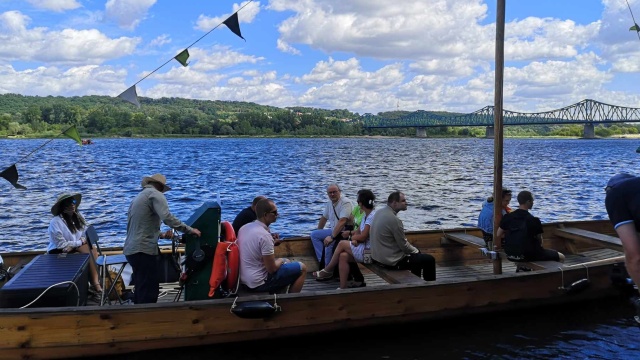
{"x":207,"y":220}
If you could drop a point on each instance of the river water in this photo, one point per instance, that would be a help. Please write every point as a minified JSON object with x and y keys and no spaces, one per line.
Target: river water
{"x":445,"y":181}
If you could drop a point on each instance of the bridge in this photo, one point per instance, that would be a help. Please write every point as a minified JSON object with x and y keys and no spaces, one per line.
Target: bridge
{"x":588,"y":112}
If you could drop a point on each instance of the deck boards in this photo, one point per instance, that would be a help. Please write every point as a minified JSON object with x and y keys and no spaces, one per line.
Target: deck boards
{"x":610,"y":242}
{"x":169,"y":290}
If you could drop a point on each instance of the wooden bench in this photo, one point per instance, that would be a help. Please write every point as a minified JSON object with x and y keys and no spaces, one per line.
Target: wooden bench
{"x":610,"y":242}
{"x":466,"y":239}
{"x":394,"y":276}
{"x":536,"y":265}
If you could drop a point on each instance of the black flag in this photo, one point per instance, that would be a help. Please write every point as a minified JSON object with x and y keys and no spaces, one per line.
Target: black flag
{"x":11,"y":174}
{"x":233,"y":25}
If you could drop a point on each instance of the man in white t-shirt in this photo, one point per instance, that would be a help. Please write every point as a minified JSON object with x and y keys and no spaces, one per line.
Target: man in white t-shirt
{"x":337,"y":213}
{"x":260,"y":271}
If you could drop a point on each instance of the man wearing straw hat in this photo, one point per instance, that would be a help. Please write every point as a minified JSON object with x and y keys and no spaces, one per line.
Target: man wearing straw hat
{"x":146,"y":213}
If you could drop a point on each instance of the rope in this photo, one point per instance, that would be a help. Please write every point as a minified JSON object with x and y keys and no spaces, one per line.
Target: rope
{"x":634,"y":20}
{"x":47,"y":289}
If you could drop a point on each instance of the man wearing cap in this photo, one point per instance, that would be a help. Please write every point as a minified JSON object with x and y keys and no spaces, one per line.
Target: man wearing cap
{"x":146,"y":213}
{"x":623,"y":207}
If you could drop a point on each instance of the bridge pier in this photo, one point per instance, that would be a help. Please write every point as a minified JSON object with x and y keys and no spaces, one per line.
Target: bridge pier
{"x":589,"y":131}
{"x":489,"y":132}
{"x":421,"y":132}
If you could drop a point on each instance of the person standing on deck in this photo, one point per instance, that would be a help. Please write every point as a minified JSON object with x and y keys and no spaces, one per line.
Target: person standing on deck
{"x":485,"y":218}
{"x":247,"y":215}
{"x":523,"y":234}
{"x":260,"y":271}
{"x":389,"y":245}
{"x":146,"y":213}
{"x":623,"y":207}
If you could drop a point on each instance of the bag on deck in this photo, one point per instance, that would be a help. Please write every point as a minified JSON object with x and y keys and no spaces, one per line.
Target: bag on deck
{"x":516,"y":239}
{"x":119,"y":288}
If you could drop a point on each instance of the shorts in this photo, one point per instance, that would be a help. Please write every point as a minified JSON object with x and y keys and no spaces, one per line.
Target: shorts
{"x":286,"y":275}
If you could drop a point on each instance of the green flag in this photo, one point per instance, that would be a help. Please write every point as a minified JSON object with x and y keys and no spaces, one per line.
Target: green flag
{"x":635,"y":28}
{"x":72,"y":132}
{"x":182,"y":57}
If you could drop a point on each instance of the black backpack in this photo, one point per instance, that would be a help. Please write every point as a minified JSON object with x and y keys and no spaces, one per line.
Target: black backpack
{"x":516,"y":238}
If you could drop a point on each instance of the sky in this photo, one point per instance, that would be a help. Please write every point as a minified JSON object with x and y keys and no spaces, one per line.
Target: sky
{"x":366,"y":56}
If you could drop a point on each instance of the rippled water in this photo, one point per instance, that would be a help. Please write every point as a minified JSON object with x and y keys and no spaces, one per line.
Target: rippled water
{"x":445,"y":180}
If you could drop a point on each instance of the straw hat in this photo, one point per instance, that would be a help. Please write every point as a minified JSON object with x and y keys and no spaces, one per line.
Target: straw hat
{"x":55,"y":208}
{"x":157,"y":178}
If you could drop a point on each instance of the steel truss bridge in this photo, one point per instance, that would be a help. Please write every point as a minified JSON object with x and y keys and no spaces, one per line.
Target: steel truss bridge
{"x":588,"y":112}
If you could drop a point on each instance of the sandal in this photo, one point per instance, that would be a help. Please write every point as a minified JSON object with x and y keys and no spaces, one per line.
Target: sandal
{"x":322,"y":275}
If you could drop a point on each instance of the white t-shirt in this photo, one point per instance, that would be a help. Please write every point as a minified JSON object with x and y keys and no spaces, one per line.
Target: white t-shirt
{"x":254,"y":241}
{"x":343,"y":208}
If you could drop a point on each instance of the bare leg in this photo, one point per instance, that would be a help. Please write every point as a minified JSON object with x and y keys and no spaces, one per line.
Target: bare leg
{"x":343,"y":246}
{"x":93,"y":270}
{"x":296,"y":287}
{"x":344,"y":269}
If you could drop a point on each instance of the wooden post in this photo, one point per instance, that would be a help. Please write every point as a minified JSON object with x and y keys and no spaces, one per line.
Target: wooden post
{"x":498,"y":131}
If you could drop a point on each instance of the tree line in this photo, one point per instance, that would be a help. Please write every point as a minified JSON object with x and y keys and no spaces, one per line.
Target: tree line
{"x":104,"y":116}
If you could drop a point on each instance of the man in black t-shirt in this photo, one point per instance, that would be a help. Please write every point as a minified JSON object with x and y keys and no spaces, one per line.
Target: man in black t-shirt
{"x":623,"y":206}
{"x":523,"y":234}
{"x":247,"y":215}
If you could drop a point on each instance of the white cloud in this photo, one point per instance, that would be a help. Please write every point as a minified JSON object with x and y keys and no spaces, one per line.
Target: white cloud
{"x":247,"y":15}
{"x":55,"y":5}
{"x":220,"y":57}
{"x":127,"y":13}
{"x":75,"y":81}
{"x":160,"y":41}
{"x":68,"y":46}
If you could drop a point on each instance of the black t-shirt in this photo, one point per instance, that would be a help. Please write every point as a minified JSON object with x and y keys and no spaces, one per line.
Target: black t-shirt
{"x":244,"y":217}
{"x":623,"y":203}
{"x":534,"y":228}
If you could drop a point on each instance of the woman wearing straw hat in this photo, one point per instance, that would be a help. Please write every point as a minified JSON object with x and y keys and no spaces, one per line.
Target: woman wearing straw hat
{"x":146,"y":213}
{"x":66,"y":233}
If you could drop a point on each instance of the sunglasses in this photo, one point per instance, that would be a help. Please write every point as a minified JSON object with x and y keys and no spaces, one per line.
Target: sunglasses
{"x":274,"y":212}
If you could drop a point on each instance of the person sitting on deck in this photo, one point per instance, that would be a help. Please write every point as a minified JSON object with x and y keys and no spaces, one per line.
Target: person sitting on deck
{"x":485,"y":218}
{"x":352,"y":250}
{"x":622,"y":202}
{"x":523,"y":234}
{"x":247,"y":215}
{"x":389,"y":246}
{"x":338,"y":213}
{"x":260,"y":271}
{"x":66,"y":234}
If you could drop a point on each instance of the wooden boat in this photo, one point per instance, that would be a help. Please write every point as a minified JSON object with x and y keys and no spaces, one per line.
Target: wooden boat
{"x":466,"y":284}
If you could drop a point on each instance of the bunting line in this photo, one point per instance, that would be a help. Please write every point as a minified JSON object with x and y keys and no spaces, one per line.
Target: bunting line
{"x":635,"y":24}
{"x":195,"y":42}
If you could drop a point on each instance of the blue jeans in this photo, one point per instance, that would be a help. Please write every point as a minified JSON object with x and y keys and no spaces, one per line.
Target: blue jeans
{"x":286,"y":275}
{"x":317,"y":239}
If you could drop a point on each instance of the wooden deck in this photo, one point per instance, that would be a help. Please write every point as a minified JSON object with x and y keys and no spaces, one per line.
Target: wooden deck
{"x":169,"y":291}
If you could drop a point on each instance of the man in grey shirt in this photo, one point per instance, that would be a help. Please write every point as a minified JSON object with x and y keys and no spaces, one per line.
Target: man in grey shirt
{"x":146,"y":213}
{"x":389,"y":245}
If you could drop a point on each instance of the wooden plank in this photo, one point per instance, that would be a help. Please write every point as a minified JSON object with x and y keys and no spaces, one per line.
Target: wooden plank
{"x":466,"y":239}
{"x":394,"y":276}
{"x":607,"y":241}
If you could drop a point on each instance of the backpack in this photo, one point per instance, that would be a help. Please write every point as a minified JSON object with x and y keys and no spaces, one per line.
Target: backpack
{"x":516,"y":238}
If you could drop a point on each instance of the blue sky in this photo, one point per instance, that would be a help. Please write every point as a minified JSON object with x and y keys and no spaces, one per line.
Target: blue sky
{"x":360,"y":55}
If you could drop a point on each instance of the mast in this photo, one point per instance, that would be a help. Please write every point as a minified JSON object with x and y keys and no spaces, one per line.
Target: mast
{"x":498,"y":130}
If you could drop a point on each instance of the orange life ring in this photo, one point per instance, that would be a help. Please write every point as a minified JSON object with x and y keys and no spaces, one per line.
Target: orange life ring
{"x":228,"y":232}
{"x":226,"y":261}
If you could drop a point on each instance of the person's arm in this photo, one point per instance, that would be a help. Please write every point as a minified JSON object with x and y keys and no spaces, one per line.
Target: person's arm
{"x":161,"y":207}
{"x":270,"y":263}
{"x":339,"y":226}
{"x":322,"y":222}
{"x":57,"y":237}
{"x":401,"y":239}
{"x":631,"y":244}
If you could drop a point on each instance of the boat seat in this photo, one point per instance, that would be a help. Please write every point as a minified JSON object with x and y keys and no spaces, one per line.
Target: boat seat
{"x":610,"y":242}
{"x":466,"y":239}
{"x":394,"y":276}
{"x":536,"y":265}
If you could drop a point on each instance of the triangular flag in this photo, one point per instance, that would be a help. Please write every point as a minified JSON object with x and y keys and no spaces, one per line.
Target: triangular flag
{"x":635,"y":28}
{"x":233,"y":25}
{"x":131,"y":96}
{"x":72,"y":132}
{"x":11,"y":174}
{"x":182,"y":57}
